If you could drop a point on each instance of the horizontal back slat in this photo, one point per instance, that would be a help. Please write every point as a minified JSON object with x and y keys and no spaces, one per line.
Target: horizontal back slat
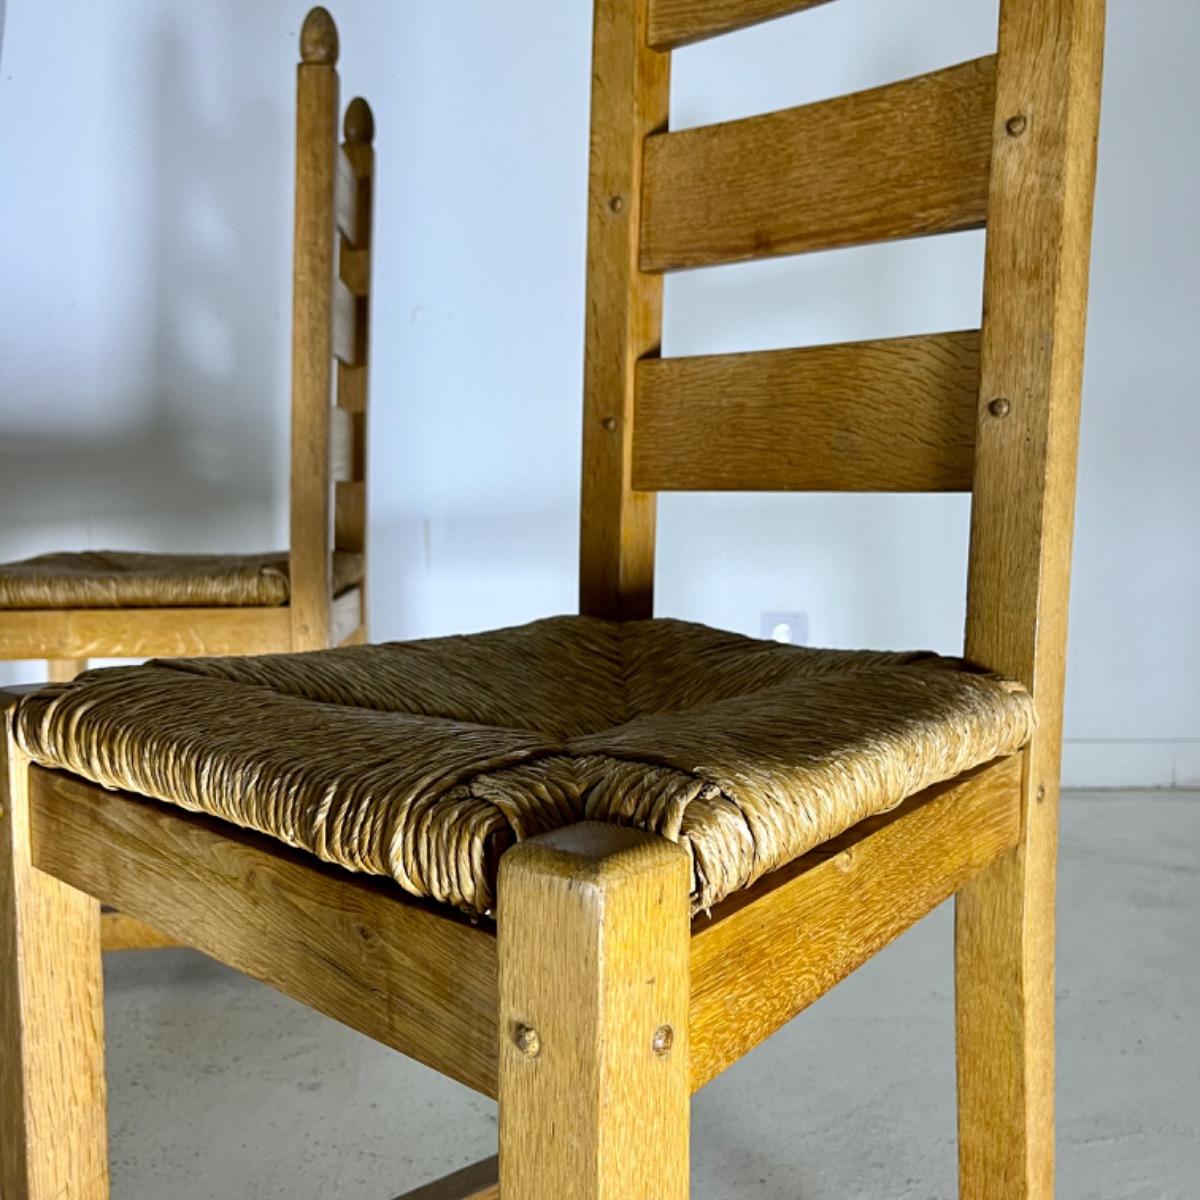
{"x":354,"y":267}
{"x":350,"y":516}
{"x":345,"y":324}
{"x":346,"y":203}
{"x":898,"y":161}
{"x":677,"y":22}
{"x":883,"y":416}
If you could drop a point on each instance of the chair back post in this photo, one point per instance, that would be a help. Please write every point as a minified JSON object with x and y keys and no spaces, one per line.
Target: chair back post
{"x":350,"y":414}
{"x":1007,"y":141}
{"x":1035,"y":305}
{"x":1035,"y":300}
{"x":314,"y":275}
{"x":630,"y":95}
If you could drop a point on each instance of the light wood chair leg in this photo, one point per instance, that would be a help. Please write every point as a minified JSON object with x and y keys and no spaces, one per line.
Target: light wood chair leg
{"x":119,"y":931}
{"x":63,"y":670}
{"x":1004,"y":950}
{"x":594,"y":1088}
{"x":53,"y":1143}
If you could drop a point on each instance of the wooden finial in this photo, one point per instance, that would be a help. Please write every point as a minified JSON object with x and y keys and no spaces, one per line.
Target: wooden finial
{"x":319,"y":38}
{"x":359,"y":125}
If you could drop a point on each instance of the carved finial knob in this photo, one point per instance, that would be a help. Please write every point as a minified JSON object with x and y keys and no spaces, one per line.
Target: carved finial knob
{"x":319,"y":38}
{"x":360,"y":121}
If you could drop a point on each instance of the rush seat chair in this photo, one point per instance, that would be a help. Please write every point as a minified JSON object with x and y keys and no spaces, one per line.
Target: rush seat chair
{"x":586,"y":864}
{"x":67,"y":607}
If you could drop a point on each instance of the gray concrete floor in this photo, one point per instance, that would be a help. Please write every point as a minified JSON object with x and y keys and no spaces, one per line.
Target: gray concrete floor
{"x":219,"y":1087}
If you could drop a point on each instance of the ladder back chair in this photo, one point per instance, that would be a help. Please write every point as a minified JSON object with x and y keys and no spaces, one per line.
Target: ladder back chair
{"x":585,"y":865}
{"x":67,"y":607}
{"x":70,"y":607}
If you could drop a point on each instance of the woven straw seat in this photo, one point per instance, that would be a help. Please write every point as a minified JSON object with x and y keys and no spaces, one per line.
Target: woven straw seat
{"x":425,"y":760}
{"x":122,"y":579}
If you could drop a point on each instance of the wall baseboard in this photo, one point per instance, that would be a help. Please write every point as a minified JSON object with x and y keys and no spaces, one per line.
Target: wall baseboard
{"x":1136,"y":763}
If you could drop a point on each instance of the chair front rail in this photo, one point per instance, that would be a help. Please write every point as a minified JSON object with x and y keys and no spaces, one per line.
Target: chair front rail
{"x":353,"y":947}
{"x":423,"y":980}
{"x":142,"y":632}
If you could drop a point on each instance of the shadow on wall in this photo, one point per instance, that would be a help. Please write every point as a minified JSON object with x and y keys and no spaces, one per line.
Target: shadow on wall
{"x":197,"y":461}
{"x":147,"y":399}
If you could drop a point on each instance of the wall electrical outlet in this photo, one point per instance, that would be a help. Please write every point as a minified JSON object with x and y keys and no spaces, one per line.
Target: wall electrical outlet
{"x":787,"y":627}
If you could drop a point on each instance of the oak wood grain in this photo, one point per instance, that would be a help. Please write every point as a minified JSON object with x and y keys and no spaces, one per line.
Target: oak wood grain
{"x":353,"y":947}
{"x":896,"y":415}
{"x":63,"y":670}
{"x":678,"y":22}
{"x":350,"y":516}
{"x":354,"y":269}
{"x":1035,"y":299}
{"x":770,"y":951}
{"x":119,"y":931}
{"x":480,"y":1181}
{"x":319,"y":329}
{"x":593,"y":939}
{"x":142,"y":632}
{"x":630,"y":92}
{"x":53,"y":1139}
{"x":898,"y":161}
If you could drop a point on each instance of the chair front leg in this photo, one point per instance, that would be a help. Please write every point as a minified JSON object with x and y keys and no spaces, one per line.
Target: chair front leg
{"x":53,"y":1142}
{"x":594,"y":986}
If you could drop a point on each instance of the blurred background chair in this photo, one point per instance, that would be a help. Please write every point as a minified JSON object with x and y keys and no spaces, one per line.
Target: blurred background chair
{"x":68,"y":607}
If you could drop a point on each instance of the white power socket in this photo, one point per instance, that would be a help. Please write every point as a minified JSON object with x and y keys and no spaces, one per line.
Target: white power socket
{"x":787,"y":627}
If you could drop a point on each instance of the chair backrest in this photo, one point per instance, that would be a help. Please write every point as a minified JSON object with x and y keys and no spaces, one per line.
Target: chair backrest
{"x":331,"y":287}
{"x":1006,"y":141}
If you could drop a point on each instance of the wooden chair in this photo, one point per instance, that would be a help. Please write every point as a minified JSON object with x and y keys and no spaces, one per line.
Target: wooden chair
{"x":593,"y":1007}
{"x":70,"y":607}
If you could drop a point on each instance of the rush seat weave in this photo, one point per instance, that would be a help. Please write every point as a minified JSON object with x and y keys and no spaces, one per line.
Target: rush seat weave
{"x":123,"y":579}
{"x":425,"y":760}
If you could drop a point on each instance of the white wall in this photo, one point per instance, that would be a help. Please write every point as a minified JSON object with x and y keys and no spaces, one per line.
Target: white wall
{"x":145,"y":157}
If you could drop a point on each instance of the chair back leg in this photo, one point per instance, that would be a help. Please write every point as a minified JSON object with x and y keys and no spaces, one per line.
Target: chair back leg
{"x":1031,"y":362}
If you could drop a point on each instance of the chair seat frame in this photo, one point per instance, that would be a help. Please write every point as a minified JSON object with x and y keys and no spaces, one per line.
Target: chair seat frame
{"x":74,"y":635}
{"x":424,"y":981}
